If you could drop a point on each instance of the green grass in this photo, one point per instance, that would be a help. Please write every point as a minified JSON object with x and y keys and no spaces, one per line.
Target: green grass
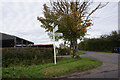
{"x":80,"y":53}
{"x":67,"y":66}
{"x":57,"y":54}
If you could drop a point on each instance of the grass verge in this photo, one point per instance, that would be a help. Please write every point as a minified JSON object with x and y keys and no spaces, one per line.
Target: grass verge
{"x":68,"y":65}
{"x":80,"y":53}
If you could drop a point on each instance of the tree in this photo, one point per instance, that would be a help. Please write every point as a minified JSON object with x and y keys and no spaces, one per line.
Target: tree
{"x":104,"y":43}
{"x":72,"y":18}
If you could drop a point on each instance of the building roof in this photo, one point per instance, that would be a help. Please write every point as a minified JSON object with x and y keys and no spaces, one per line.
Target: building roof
{"x":4,"y":36}
{"x":42,"y":44}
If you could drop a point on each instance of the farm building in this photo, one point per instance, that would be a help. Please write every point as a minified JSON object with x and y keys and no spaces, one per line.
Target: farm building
{"x":13,"y":41}
{"x":43,"y":45}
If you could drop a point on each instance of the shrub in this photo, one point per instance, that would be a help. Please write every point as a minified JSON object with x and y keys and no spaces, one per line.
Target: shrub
{"x":64,"y":51}
{"x":26,"y":56}
{"x":104,"y":43}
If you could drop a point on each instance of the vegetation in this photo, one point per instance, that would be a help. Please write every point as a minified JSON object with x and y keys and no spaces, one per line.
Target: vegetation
{"x":72,"y":19}
{"x":80,"y":53}
{"x":66,"y":66}
{"x":67,"y":51}
{"x":64,"y":51}
{"x":26,"y":56}
{"x":105,"y":43}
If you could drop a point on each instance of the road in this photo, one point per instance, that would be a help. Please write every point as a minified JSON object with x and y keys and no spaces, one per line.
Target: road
{"x":109,"y":69}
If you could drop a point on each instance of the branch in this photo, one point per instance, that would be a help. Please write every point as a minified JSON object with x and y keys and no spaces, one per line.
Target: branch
{"x":98,"y":7}
{"x":93,"y":11}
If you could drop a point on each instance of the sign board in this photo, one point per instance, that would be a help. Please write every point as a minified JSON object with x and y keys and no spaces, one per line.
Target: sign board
{"x":56,"y":34}
{"x":56,"y":28}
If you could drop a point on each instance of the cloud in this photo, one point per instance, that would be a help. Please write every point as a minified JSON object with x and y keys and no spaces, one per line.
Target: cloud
{"x":106,"y":21}
{"x":20,"y":18}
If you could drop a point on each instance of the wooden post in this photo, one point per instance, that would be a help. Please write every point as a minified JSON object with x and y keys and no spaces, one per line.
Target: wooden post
{"x":30,"y":44}
{"x":15,"y":42}
{"x":22,"y":43}
{"x":26,"y":44}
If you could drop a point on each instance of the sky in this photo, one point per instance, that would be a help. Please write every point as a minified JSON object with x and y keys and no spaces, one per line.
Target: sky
{"x":19,"y":18}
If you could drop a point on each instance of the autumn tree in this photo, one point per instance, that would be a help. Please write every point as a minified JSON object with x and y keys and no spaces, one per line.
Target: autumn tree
{"x":72,"y":17}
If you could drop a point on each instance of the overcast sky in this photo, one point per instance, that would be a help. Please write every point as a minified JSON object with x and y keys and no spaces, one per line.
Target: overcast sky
{"x":20,"y":19}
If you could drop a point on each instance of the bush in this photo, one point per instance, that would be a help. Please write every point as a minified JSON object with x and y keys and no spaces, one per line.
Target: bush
{"x":64,"y":51}
{"x":26,"y":56}
{"x":105,"y":43}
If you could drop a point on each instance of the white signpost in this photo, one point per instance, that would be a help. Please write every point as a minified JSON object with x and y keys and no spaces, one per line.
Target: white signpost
{"x":55,"y":34}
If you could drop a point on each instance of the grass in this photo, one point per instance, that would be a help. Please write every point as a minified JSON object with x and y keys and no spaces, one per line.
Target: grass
{"x":80,"y":53}
{"x":67,"y":66}
{"x":57,"y":54}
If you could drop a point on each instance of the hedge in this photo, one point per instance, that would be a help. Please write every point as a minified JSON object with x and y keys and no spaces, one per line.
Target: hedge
{"x":64,"y":51}
{"x":105,"y":43}
{"x":26,"y":56}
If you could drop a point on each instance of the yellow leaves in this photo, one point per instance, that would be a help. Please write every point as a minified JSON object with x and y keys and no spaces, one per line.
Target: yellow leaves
{"x":88,"y":20}
{"x":81,"y":31}
{"x":59,"y":12}
{"x":45,"y":7}
{"x":74,"y":28}
{"x":89,"y":24}
{"x":81,"y":21}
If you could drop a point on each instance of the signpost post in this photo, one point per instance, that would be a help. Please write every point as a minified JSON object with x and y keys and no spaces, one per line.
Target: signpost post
{"x":55,"y":34}
{"x":54,"y":30}
{"x":54,"y":46}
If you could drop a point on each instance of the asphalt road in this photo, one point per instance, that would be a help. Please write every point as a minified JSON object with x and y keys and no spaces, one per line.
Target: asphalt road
{"x":109,"y":69}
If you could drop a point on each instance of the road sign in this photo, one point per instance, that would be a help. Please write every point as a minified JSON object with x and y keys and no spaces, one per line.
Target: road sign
{"x":56,"y":28}
{"x":56,"y":34}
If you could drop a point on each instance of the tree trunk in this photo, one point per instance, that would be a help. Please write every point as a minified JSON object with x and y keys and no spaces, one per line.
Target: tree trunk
{"x":75,"y":47}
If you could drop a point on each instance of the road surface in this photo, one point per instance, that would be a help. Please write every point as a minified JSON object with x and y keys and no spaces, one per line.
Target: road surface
{"x":109,"y":69}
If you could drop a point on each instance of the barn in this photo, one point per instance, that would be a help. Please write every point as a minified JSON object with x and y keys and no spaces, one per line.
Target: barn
{"x":43,"y":45}
{"x":7,"y":40}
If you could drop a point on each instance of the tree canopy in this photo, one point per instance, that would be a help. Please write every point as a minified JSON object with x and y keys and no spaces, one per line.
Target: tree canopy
{"x":72,"y":17}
